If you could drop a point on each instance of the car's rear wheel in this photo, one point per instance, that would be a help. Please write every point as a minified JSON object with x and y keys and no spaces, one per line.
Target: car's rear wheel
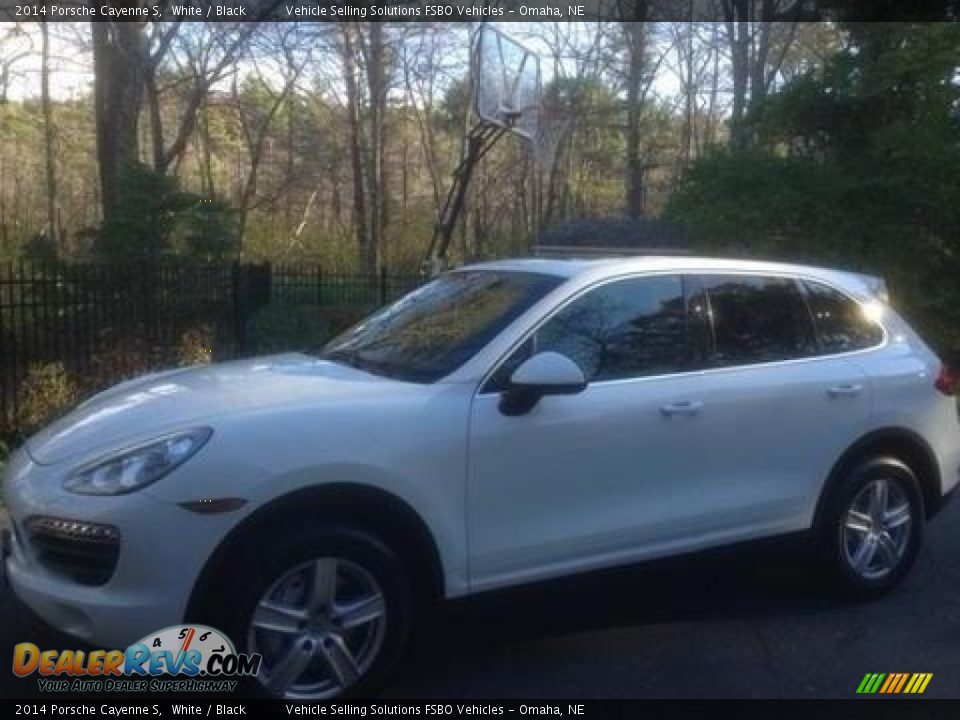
{"x":874,"y":526}
{"x":328,"y":610}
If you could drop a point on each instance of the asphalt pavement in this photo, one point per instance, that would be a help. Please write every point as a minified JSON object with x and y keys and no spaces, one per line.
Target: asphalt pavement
{"x":728,"y":625}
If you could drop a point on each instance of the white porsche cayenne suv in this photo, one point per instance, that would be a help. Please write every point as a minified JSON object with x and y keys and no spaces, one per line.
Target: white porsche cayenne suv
{"x":507,"y":422}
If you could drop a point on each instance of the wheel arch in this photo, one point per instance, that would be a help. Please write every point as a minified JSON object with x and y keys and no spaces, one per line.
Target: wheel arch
{"x":900,"y":443}
{"x":350,"y":504}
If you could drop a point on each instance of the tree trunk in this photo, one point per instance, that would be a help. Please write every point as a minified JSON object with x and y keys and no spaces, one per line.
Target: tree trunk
{"x":119,"y":62}
{"x":636,"y":51}
{"x":156,"y":121}
{"x":689,"y":100}
{"x":736,"y":13}
{"x":376,"y":181}
{"x":710,"y":131}
{"x":208,"y":184}
{"x":52,"y":202}
{"x":289,"y":170}
{"x":356,"y":146}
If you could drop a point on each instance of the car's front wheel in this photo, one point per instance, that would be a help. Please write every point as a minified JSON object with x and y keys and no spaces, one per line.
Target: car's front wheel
{"x":327,"y":609}
{"x":873,"y":527}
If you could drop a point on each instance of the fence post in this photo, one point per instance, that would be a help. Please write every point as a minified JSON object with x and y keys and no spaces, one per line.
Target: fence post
{"x":383,"y":285}
{"x":236,"y":297}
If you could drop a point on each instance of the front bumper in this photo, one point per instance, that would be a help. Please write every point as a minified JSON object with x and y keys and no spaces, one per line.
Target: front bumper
{"x":163,"y":551}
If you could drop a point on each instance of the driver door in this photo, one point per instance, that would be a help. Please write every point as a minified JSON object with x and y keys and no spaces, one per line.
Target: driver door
{"x":611,"y":473}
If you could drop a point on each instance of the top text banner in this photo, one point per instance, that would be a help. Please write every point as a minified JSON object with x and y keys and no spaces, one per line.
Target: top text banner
{"x":467,"y":10}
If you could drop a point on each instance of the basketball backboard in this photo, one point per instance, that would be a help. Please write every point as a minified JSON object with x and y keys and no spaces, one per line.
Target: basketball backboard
{"x":508,"y":84}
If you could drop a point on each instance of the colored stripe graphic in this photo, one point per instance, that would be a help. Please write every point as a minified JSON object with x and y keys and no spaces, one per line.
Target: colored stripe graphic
{"x":894,"y":683}
{"x":870,"y":683}
{"x":891,"y":680}
{"x":918,"y":683}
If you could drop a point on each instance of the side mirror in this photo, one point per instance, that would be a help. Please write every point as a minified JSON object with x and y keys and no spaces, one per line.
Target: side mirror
{"x":546,"y":373}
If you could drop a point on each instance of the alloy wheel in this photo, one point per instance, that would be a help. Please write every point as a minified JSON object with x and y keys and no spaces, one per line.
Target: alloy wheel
{"x":876,"y":529}
{"x":319,"y":628}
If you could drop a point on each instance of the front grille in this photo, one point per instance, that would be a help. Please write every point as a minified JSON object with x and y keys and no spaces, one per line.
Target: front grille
{"x":84,"y":552}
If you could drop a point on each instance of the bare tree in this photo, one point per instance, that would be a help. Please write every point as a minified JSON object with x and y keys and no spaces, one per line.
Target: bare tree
{"x":15,"y":46}
{"x":696,"y":66}
{"x":120,"y":62}
{"x":422,"y":63}
{"x":752,"y":34}
{"x":202,"y":54}
{"x":376,"y":63}
{"x":48,"y":132}
{"x":642,"y":65}
{"x":256,"y":119}
{"x":357,"y":146}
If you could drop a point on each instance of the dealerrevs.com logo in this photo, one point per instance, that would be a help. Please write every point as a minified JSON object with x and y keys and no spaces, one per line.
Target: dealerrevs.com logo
{"x":187,"y":658}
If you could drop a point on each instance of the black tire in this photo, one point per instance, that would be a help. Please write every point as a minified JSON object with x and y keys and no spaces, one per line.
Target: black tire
{"x":260,"y":564}
{"x":835,"y":546}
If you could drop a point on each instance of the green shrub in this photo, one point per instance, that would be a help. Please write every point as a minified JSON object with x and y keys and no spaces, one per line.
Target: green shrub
{"x":196,"y":346}
{"x":154,"y":216}
{"x":47,"y":392}
{"x":279,"y":327}
{"x":117,"y":364}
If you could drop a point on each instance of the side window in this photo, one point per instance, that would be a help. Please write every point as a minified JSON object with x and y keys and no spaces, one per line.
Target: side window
{"x":699,"y":327}
{"x":840,"y":323}
{"x":757,"y":319}
{"x":623,"y":329}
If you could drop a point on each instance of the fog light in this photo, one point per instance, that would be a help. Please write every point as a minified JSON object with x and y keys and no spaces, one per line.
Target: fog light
{"x":72,"y":529}
{"x":85,"y":552}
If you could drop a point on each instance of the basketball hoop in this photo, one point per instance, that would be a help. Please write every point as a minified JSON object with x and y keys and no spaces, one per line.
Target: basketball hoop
{"x":507,"y":82}
{"x":507,"y":87}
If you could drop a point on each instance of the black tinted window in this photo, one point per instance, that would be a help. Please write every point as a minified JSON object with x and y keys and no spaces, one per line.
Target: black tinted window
{"x":840,"y":322}
{"x":757,"y":319}
{"x":624,"y":329}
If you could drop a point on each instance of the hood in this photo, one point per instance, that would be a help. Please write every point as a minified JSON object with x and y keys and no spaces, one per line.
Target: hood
{"x":179,"y":399}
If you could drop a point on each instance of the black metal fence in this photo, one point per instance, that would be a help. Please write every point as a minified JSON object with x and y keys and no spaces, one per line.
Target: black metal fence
{"x":107,"y":322}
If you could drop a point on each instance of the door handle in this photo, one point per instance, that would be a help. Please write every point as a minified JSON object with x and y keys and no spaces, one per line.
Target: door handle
{"x":848,"y":390}
{"x":684,"y":407}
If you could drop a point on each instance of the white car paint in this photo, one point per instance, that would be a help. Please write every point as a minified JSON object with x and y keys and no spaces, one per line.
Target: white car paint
{"x":582,"y":481}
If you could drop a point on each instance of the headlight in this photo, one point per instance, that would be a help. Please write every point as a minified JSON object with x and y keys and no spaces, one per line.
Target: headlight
{"x":137,"y":467}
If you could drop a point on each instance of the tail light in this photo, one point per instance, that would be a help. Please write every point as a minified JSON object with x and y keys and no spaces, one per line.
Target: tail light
{"x":947,"y":380}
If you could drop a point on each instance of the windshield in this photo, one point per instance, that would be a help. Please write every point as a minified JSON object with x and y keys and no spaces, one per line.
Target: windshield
{"x":434,"y":330}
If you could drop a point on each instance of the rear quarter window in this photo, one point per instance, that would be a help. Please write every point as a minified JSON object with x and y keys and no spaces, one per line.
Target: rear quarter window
{"x":839,"y":321}
{"x":757,"y":319}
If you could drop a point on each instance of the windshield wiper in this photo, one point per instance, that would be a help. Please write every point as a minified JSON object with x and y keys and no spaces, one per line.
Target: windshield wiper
{"x":359,"y":361}
{"x":356,"y":360}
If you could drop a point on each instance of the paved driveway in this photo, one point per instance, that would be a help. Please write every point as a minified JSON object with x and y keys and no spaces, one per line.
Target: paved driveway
{"x":727,"y":626}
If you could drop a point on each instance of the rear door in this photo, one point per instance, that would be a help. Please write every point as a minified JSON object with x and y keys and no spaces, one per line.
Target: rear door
{"x":783,"y":404}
